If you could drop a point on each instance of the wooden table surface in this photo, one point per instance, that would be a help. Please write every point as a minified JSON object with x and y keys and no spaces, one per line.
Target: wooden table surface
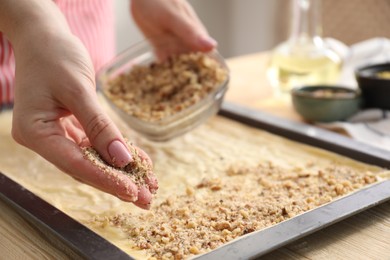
{"x":363,"y":236}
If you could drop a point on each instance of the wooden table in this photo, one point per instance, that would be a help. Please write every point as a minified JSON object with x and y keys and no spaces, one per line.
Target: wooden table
{"x":363,"y":236}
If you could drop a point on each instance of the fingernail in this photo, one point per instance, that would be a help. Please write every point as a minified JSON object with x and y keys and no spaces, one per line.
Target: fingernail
{"x":120,"y":155}
{"x":153,"y":184}
{"x":128,"y":197}
{"x":208,"y":42}
{"x":144,"y":206}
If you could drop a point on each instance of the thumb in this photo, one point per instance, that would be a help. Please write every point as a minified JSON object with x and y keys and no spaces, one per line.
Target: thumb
{"x":102,"y":133}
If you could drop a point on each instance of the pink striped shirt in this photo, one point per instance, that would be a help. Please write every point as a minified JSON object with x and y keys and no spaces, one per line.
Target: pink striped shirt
{"x":91,"y":20}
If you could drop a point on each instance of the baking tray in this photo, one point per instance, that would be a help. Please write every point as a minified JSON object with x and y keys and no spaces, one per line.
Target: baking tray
{"x":87,"y":244}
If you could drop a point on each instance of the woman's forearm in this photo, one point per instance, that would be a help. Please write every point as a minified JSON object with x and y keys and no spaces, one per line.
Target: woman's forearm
{"x":22,"y":19}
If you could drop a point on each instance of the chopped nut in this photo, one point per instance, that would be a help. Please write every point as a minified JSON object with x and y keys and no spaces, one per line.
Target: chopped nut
{"x":189,"y":191}
{"x":222,"y":225}
{"x":244,"y":214}
{"x":188,"y":224}
{"x":160,"y":90}
{"x":194,"y":250}
{"x":165,"y":240}
{"x":191,"y":224}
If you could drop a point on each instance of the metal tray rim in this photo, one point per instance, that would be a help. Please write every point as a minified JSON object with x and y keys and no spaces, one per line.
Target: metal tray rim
{"x":245,"y":247}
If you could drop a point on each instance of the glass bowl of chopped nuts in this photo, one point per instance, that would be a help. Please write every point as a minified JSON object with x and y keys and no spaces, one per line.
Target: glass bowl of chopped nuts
{"x":164,"y":99}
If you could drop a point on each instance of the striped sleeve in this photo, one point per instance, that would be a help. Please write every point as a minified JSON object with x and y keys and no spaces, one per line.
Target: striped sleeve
{"x":93,"y":22}
{"x":7,"y":71}
{"x":90,"y":20}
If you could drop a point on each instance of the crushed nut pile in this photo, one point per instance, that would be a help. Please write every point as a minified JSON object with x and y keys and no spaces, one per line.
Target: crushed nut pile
{"x":160,"y":90}
{"x":219,"y":210}
{"x":138,"y":170}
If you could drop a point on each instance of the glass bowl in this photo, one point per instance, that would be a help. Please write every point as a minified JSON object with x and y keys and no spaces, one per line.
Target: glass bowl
{"x":171,"y":126}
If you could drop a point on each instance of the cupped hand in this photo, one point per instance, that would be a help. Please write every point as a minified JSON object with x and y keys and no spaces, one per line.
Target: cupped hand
{"x":171,"y":26}
{"x":57,"y":110}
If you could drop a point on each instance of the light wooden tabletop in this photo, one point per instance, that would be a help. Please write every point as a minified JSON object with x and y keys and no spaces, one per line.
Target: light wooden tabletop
{"x":363,"y":236}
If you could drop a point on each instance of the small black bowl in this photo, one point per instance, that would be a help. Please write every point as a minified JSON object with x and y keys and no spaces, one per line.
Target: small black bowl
{"x":374,"y":82}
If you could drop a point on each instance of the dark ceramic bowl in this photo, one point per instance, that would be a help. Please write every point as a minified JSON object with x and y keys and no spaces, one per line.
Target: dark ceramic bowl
{"x":326,"y":103}
{"x":374,"y":82}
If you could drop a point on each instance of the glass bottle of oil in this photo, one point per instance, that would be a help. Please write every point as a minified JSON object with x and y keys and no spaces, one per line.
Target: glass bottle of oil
{"x":304,"y":59}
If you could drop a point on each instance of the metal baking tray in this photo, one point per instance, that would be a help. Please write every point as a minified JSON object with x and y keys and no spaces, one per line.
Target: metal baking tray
{"x":85,"y":243}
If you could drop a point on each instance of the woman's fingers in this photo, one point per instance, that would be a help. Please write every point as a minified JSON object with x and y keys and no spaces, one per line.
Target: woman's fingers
{"x":73,"y":130}
{"x":151,"y":179}
{"x":79,"y":97}
{"x":144,"y":198}
{"x":172,"y":26}
{"x":70,"y":159}
{"x":108,"y":141}
{"x":188,"y":29}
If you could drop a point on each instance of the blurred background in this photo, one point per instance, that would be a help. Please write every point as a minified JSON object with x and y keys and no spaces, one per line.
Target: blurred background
{"x":239,"y":26}
{"x":248,"y":26}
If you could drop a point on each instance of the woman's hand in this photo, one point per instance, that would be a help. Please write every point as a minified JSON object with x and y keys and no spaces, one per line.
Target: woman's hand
{"x":171,"y":26}
{"x":56,"y":107}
